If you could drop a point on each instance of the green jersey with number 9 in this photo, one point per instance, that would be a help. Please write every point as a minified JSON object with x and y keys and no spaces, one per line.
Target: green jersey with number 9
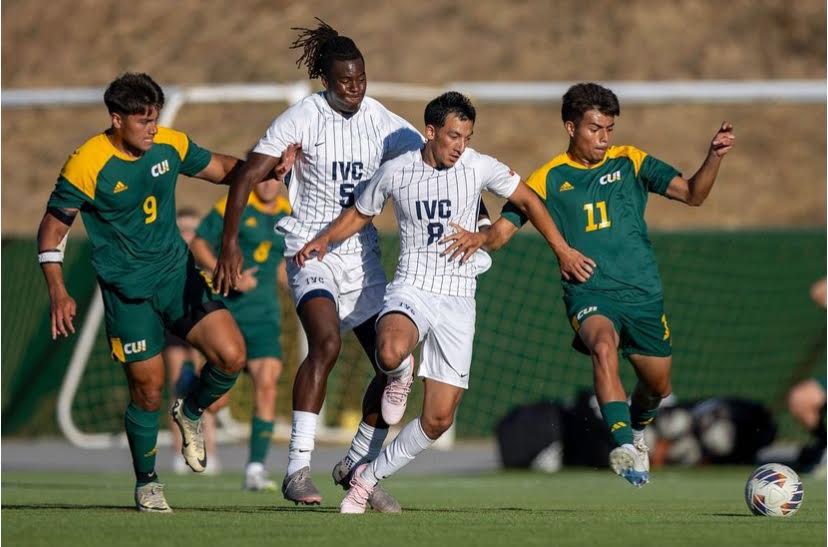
{"x":128,"y":207}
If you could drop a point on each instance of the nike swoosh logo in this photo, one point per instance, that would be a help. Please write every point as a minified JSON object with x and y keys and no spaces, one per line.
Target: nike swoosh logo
{"x":319,"y":143}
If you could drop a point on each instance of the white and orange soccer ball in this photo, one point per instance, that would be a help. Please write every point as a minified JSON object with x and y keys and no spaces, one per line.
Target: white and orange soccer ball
{"x":774,"y":490}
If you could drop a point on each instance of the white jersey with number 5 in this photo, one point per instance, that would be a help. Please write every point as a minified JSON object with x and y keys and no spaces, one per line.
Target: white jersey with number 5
{"x":426,"y":201}
{"x":339,"y":156}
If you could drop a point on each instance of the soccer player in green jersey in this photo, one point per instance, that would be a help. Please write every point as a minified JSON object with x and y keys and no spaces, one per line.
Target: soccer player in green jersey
{"x":255,"y":306}
{"x":596,"y":194}
{"x":122,"y":181}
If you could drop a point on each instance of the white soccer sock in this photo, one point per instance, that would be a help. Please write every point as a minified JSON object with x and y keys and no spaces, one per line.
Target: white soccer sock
{"x":400,"y":370}
{"x":638,"y":434}
{"x":367,"y":444}
{"x":403,"y":449}
{"x":302,"y":435}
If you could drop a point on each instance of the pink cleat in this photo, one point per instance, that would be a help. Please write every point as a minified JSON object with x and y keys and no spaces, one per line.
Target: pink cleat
{"x":395,"y":395}
{"x":357,"y":499}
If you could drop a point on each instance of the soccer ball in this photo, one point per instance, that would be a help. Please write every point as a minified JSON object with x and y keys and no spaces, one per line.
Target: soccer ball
{"x":774,"y":490}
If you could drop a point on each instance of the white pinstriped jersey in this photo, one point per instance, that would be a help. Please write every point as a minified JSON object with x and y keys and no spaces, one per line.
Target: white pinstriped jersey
{"x":426,"y":201}
{"x":339,"y":156}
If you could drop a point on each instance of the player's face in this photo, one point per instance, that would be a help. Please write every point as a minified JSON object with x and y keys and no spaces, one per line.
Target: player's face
{"x":346,"y":85}
{"x":591,"y":137}
{"x":267,"y":190}
{"x":137,"y":131}
{"x":187,"y":226}
{"x":449,"y":142}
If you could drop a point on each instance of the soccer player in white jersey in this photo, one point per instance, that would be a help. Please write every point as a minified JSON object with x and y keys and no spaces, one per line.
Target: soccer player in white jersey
{"x":344,"y":136}
{"x":431,"y":299}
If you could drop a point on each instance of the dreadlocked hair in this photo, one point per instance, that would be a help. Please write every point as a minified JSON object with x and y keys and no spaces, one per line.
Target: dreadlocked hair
{"x":321,"y":47}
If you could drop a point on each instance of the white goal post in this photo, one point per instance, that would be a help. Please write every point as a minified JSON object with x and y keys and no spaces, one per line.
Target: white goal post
{"x":718,"y":91}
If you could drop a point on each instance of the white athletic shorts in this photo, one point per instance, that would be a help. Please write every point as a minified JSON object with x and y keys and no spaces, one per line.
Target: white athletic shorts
{"x":356,"y":281}
{"x":446,"y":330}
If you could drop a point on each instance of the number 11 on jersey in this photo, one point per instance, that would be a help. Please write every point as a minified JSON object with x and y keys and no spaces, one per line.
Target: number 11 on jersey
{"x":602,"y":211}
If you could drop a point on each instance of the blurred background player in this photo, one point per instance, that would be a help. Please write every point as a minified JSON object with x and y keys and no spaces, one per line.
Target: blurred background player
{"x":122,"y":181}
{"x":597,"y":193}
{"x":344,"y":137}
{"x":184,"y":364}
{"x":806,"y":403}
{"x":255,"y":305}
{"x":431,"y":299}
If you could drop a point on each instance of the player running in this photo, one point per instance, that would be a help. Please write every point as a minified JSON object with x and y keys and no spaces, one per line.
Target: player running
{"x":344,"y":137}
{"x":597,"y":194}
{"x":431,"y":299}
{"x":123,"y":183}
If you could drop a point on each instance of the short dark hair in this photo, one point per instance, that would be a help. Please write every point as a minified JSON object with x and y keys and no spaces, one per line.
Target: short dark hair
{"x":451,"y":102}
{"x":133,"y":93}
{"x":321,"y":47}
{"x":587,"y":96}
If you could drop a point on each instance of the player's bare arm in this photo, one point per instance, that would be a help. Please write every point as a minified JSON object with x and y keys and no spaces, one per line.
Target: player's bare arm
{"x":464,"y":243}
{"x":571,"y":262}
{"x":241,"y":179}
{"x":346,"y":224}
{"x":54,"y":227}
{"x":694,"y":191}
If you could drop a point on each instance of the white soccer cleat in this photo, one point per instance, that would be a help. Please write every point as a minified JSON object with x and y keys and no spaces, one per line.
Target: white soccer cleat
{"x":380,"y":500}
{"x":192,"y":438}
{"x":149,"y":498}
{"x":395,"y":395}
{"x":256,"y":479}
{"x":356,"y":501}
{"x":629,"y":462}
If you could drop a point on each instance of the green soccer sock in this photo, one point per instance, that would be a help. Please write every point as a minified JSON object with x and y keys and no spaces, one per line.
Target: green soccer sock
{"x":212,"y":384}
{"x":642,"y":417}
{"x":260,"y":433}
{"x":617,"y":417}
{"x":142,"y":433}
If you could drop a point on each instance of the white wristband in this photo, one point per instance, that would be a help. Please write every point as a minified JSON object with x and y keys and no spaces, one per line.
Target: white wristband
{"x":49,"y":257}
{"x":483,"y":222}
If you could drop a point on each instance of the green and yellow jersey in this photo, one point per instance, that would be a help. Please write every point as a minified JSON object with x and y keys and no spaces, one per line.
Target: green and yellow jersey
{"x":261,"y":246}
{"x":600,"y":212}
{"x":128,"y":207}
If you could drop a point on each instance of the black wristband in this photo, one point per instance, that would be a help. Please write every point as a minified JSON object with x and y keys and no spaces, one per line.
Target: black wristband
{"x":60,"y":215}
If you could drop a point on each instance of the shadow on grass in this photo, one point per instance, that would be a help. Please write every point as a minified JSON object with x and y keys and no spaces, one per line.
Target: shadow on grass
{"x":279,"y":509}
{"x":732,"y":515}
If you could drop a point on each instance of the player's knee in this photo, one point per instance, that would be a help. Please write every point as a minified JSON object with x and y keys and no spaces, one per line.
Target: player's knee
{"x":389,"y":356}
{"x":266,"y":391}
{"x":798,"y":400}
{"x":233,"y":357}
{"x":147,"y":398}
{"x":434,"y":426}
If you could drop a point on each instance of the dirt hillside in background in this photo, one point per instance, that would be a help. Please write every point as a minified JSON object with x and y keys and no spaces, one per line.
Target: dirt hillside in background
{"x":775,"y":176}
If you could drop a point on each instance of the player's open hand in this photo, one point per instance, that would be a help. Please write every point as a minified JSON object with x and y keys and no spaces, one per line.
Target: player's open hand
{"x":63,"y":311}
{"x":574,"y":265}
{"x":723,"y":141}
{"x":248,"y":281}
{"x":463,"y":243}
{"x":318,"y":248}
{"x":228,"y":268}
{"x":286,"y":161}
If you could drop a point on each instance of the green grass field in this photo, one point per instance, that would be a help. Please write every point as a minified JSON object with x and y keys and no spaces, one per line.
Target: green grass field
{"x":680,"y":507}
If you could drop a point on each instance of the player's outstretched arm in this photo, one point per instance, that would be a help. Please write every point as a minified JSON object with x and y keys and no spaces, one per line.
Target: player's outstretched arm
{"x":51,"y":239}
{"x":349,"y":222}
{"x":572,"y":263}
{"x":695,"y":190}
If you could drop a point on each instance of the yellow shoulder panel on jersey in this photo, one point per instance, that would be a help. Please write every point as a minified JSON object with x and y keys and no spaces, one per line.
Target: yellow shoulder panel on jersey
{"x":85,"y":163}
{"x":176,"y":139}
{"x":537,"y":181}
{"x":282,"y":205}
{"x":636,"y":156}
{"x":221,"y":205}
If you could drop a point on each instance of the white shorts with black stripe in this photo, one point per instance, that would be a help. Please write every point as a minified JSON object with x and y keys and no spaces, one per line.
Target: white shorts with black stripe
{"x":446,"y":330}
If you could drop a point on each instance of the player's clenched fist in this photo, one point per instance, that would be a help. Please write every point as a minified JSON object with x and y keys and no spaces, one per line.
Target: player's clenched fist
{"x":723,"y":141}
